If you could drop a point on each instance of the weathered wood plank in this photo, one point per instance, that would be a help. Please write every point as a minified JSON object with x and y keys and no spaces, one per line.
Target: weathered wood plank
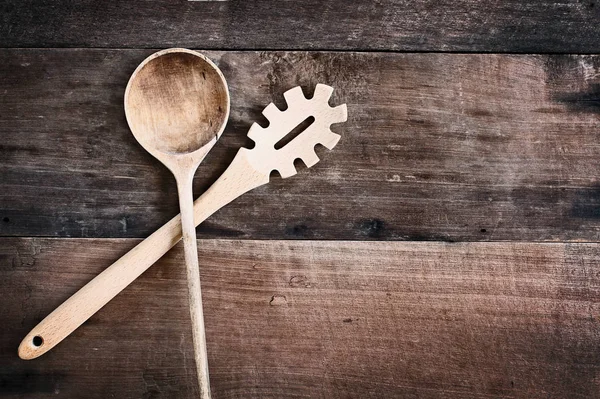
{"x":400,"y":25}
{"x":139,"y":346}
{"x":437,"y":147}
{"x":290,"y":319}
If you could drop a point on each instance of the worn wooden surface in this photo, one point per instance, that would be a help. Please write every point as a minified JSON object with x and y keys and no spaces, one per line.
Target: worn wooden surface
{"x":289,"y":319}
{"x":437,"y":147}
{"x":398,"y":25}
{"x":466,"y":147}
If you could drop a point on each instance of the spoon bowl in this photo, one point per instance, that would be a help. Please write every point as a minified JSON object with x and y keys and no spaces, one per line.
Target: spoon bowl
{"x":176,"y":102}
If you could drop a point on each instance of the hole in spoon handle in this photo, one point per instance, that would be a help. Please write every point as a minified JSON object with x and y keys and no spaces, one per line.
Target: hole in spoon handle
{"x":37,"y":341}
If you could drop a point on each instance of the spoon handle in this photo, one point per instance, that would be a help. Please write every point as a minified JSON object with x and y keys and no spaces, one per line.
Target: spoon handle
{"x":240,"y":177}
{"x":186,"y":207}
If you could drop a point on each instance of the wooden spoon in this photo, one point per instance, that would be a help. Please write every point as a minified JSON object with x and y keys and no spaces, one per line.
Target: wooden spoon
{"x":177,"y":105}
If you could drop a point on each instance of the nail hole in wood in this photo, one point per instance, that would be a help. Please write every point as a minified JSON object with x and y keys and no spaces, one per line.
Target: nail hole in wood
{"x":6,"y":220}
{"x":38,"y":341}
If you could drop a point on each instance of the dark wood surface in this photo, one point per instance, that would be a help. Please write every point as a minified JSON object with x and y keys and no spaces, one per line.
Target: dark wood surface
{"x":388,"y":25}
{"x":315,"y":319}
{"x":449,"y":147}
{"x":457,"y":149}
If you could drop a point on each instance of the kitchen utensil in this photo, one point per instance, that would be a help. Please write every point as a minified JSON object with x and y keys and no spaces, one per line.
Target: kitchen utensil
{"x":249,"y":169}
{"x":177,"y":105}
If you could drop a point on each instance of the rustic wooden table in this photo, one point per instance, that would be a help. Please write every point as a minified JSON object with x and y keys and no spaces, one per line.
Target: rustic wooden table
{"x":448,"y":247}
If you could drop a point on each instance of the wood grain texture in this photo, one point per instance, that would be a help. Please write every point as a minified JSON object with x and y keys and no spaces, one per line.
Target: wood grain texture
{"x":437,"y":147}
{"x":399,"y":25}
{"x":248,"y":170}
{"x":290,"y":319}
{"x":115,"y":359}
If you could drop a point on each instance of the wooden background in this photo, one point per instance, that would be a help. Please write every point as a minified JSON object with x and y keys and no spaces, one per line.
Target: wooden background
{"x":448,"y":247}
